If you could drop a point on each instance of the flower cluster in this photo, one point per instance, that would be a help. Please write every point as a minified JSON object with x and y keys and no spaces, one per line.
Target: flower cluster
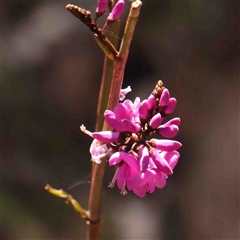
{"x":142,"y":163}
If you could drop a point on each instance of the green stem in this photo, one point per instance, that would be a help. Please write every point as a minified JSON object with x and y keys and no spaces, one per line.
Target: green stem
{"x":112,"y":78}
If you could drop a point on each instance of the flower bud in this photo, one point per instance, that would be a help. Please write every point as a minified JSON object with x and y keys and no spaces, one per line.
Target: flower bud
{"x":151,"y":102}
{"x":102,"y":7}
{"x":143,"y":110}
{"x":175,"y":121}
{"x":106,"y":136}
{"x":156,"y":120}
{"x":168,"y":131}
{"x":116,"y":12}
{"x":171,"y":105}
{"x":98,"y":151}
{"x":165,"y":144}
{"x":164,"y":99}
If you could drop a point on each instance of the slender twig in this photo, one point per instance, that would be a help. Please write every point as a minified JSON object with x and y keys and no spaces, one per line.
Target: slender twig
{"x":94,"y":207}
{"x":120,"y":61}
{"x":106,"y":77}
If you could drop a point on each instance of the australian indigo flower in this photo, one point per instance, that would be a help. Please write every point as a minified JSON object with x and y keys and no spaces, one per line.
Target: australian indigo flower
{"x":142,"y":163}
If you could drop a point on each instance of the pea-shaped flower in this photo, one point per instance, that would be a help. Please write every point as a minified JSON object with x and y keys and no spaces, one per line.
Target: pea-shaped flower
{"x":117,"y":12}
{"x":101,"y":8}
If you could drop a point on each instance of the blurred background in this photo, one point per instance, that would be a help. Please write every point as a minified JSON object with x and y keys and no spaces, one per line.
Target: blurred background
{"x":51,"y":70}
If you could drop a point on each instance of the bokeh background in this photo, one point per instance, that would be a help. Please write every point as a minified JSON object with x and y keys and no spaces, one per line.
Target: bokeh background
{"x":51,"y":70}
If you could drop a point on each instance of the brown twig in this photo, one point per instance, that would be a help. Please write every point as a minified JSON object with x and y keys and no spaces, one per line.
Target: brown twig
{"x":98,"y":169}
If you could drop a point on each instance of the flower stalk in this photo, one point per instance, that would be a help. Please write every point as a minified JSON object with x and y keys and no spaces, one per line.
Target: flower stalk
{"x":94,"y":207}
{"x":120,"y":61}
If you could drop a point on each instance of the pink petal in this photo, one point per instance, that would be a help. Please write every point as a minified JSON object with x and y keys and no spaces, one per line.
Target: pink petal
{"x":128,"y":103}
{"x":168,"y":131}
{"x":133,"y":178}
{"x":129,"y":159}
{"x":171,"y":157}
{"x":135,"y":109}
{"x":161,"y":163}
{"x":128,"y":126}
{"x":112,"y":121}
{"x":165,"y":144}
{"x":143,"y":110}
{"x":151,"y":185}
{"x":93,"y":147}
{"x":115,"y":159}
{"x":106,"y":136}
{"x":147,"y":176}
{"x":143,"y":158}
{"x":151,"y":165}
{"x":121,"y":175}
{"x":121,"y":112}
{"x":140,"y":191}
{"x":160,"y":179}
{"x":164,"y":99}
{"x":174,"y":121}
{"x":171,"y":105}
{"x":97,"y":150}
{"x":125,"y":125}
{"x":117,"y":11}
{"x":151,"y":101}
{"x":102,"y":6}
{"x":156,"y":121}
{"x":161,"y":182}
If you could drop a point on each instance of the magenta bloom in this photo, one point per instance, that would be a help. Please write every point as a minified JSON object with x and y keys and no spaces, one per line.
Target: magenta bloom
{"x":125,"y":117}
{"x":142,"y":163}
{"x":102,"y":7}
{"x":98,"y":151}
{"x":117,"y":11}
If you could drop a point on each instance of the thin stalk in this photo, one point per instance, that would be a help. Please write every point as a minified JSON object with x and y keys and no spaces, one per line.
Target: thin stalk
{"x":94,"y":206}
{"x":120,"y":61}
{"x":106,"y":77}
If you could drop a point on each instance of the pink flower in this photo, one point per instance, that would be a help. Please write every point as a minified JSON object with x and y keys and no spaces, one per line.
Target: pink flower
{"x":117,"y":11}
{"x":164,"y":144}
{"x":98,"y":151}
{"x":166,"y":104}
{"x":142,"y":163}
{"x":170,"y":129}
{"x":124,"y":117}
{"x":150,"y":180}
{"x":164,"y":99}
{"x":106,"y":136}
{"x":128,"y":175}
{"x":102,"y":7}
{"x":156,"y":120}
{"x":124,"y":92}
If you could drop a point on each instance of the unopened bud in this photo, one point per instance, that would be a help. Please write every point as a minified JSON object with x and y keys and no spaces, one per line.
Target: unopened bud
{"x":116,"y":12}
{"x":102,"y":7}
